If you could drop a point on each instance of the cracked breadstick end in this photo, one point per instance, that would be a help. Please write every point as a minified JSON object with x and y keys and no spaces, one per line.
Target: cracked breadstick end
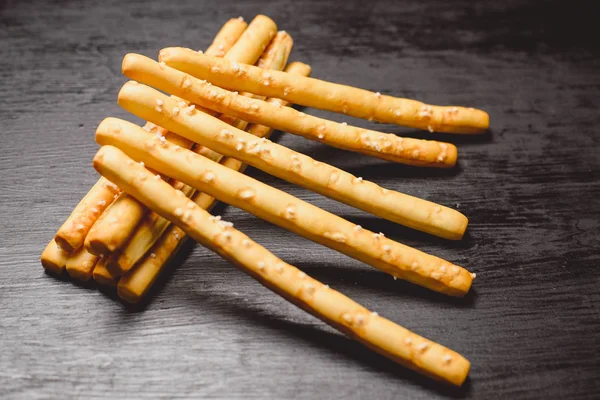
{"x":387,"y":146}
{"x":71,"y":235}
{"x":289,"y":212}
{"x":329,"y":96}
{"x":332,"y":307}
{"x":54,"y":258}
{"x":81,"y":264}
{"x":135,"y":283}
{"x":297,"y":168}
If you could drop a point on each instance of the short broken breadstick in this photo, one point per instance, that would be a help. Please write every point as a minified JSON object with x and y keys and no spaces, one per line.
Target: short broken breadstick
{"x":103,"y":275}
{"x":324,"y":95}
{"x":134,"y":284}
{"x":81,"y":264}
{"x":377,"y":144}
{"x":339,"y":311}
{"x":295,"y":167}
{"x":54,"y":258}
{"x":112,"y":232}
{"x":72,"y":233}
{"x":275,"y":56}
{"x":285,"y":210}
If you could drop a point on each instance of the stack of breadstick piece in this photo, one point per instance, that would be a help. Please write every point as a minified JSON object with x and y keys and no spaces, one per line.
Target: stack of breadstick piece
{"x":159,"y":181}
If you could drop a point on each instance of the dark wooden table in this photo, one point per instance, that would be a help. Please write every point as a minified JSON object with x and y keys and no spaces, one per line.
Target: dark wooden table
{"x":530,"y":188}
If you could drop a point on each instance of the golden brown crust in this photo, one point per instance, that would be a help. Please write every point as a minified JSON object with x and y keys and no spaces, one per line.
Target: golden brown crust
{"x":81,"y":264}
{"x":135,"y":283}
{"x":54,"y":258}
{"x":377,"y":144}
{"x":295,"y":167}
{"x":324,"y":95}
{"x":72,"y":233}
{"x":332,"y":307}
{"x":102,"y":275}
{"x":285,"y":210}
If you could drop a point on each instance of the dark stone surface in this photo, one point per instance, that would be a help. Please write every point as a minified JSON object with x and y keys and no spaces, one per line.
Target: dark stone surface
{"x":530,"y":188}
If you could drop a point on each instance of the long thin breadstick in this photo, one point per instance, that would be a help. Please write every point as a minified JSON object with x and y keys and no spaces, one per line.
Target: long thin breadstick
{"x":81,"y":264}
{"x":115,"y":229}
{"x":72,"y":233}
{"x":54,"y":258}
{"x":285,"y":210}
{"x":326,"y":95}
{"x":342,"y":313}
{"x":294,"y":167}
{"x":386,"y":146}
{"x":134,"y":284}
{"x":70,"y":236}
{"x":151,"y":227}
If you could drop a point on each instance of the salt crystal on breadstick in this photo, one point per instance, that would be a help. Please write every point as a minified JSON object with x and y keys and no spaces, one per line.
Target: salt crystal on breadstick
{"x":324,"y":95}
{"x":295,"y":167}
{"x":71,"y":235}
{"x":114,"y":231}
{"x":135,"y":283}
{"x":285,"y":210}
{"x":81,"y":264}
{"x":339,"y":311}
{"x":152,"y":227}
{"x":54,"y":258}
{"x":275,"y":56}
{"x":147,"y":232}
{"x":377,"y":144}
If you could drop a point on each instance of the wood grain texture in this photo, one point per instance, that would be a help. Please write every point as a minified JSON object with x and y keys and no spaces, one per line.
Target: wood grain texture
{"x":531,"y":188}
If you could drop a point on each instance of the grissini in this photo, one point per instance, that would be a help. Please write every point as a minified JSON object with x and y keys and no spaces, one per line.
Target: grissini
{"x":285,"y":210}
{"x":329,"y":96}
{"x":102,"y":275}
{"x":275,"y":56}
{"x":135,"y":283}
{"x":116,"y":228}
{"x":377,"y":144}
{"x":152,"y":227}
{"x":71,"y":235}
{"x":339,"y":311}
{"x":54,"y":258}
{"x":81,"y":264}
{"x":295,"y":167}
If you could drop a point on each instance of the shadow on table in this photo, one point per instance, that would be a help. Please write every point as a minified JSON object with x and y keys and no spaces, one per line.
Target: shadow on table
{"x":327,"y":341}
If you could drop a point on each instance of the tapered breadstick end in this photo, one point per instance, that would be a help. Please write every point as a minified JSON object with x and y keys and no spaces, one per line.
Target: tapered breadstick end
{"x":54,"y":258}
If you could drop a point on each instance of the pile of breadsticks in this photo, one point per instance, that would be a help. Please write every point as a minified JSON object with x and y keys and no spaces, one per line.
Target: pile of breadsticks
{"x":158,"y":181}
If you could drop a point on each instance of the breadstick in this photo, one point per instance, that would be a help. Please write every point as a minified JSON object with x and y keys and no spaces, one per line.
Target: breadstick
{"x":275,"y":56}
{"x":329,"y":96}
{"x":152,"y":226}
{"x":71,"y":236}
{"x":294,"y":167}
{"x":81,"y":264}
{"x":54,"y":258}
{"x":285,"y":210}
{"x":339,"y":311}
{"x":113,"y":231}
{"x":385,"y":146}
{"x":72,"y":233}
{"x":134,"y":284}
{"x":102,"y":275}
